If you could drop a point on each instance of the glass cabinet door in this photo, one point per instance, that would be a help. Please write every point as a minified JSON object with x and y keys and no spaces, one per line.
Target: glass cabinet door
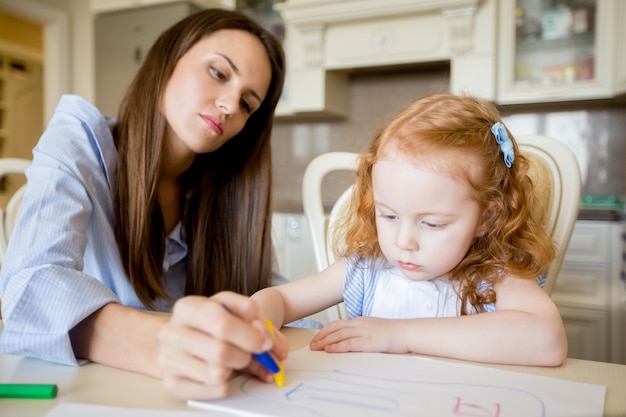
{"x":554,"y":50}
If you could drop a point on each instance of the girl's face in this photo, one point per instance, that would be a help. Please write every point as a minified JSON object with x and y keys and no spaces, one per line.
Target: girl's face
{"x":425,"y":221}
{"x":214,"y":89}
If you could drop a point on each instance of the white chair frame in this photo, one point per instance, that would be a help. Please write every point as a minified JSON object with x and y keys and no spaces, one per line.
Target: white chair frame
{"x":566,"y":189}
{"x":314,"y":213}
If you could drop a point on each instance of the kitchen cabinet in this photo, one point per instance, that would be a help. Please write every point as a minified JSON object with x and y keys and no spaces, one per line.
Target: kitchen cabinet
{"x":101,"y":6}
{"x":551,"y":51}
{"x":326,"y":40}
{"x":589,"y":292}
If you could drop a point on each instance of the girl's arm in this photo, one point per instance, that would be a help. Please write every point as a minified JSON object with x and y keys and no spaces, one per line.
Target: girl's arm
{"x":305,"y":296}
{"x":525,"y":329}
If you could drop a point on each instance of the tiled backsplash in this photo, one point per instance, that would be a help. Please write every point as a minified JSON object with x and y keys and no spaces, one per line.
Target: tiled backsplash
{"x":597,"y":137}
{"x":596,"y":133}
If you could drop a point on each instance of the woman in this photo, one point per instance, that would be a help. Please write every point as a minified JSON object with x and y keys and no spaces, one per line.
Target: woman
{"x":171,"y":201}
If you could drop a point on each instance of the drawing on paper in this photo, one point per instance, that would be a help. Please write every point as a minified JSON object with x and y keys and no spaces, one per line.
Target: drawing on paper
{"x":332,"y":393}
{"x":319,"y":384}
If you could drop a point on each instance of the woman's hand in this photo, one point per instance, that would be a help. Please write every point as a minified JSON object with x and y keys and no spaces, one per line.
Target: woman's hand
{"x":207,"y":338}
{"x":361,"y":334}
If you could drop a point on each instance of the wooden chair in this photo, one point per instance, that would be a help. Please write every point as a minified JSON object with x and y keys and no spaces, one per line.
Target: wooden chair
{"x":554,"y":170}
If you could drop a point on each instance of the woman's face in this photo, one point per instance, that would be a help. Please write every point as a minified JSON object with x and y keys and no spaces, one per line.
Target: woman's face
{"x":214,"y":89}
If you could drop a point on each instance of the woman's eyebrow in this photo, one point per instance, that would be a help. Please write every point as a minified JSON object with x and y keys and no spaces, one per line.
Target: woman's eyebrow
{"x":236,"y":71}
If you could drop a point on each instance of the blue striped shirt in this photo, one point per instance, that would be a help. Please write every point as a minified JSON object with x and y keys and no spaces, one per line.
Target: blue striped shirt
{"x":62,"y":261}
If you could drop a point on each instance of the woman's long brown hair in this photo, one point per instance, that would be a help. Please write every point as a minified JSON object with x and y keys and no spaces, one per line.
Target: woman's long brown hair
{"x":227,"y":201}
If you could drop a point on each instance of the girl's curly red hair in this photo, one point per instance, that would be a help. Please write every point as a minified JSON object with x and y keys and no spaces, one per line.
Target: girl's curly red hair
{"x":453,"y":135}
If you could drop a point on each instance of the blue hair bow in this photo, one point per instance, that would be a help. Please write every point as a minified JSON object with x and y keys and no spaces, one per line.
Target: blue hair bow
{"x":506,"y":146}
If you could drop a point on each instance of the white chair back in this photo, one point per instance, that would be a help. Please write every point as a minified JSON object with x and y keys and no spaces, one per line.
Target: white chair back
{"x":558,"y":185}
{"x":314,"y":213}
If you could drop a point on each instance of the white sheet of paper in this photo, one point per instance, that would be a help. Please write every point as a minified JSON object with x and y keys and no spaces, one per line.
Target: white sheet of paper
{"x":319,"y":384}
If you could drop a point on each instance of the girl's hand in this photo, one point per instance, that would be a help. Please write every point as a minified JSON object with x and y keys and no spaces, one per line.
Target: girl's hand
{"x":203,"y":343}
{"x":361,"y":334}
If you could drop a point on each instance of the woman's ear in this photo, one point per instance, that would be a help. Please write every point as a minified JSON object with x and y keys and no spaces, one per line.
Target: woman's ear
{"x":488,"y":215}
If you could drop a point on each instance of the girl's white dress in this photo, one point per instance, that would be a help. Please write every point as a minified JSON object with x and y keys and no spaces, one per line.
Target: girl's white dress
{"x":379,"y":290}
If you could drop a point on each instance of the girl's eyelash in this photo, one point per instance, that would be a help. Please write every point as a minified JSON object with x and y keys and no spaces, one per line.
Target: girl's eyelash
{"x":431,"y":225}
{"x":435,"y":225}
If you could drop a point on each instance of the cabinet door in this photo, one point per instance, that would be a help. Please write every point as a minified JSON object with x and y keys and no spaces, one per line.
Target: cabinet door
{"x":587,"y":333}
{"x":556,"y":50}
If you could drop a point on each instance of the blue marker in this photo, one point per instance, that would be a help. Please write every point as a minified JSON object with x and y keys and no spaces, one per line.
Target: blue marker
{"x":266,"y":360}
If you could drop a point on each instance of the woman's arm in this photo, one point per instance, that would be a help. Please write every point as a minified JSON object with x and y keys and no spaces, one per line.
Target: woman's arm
{"x":194,"y":350}
{"x":305,"y":296}
{"x":525,"y":329}
{"x":120,"y":336}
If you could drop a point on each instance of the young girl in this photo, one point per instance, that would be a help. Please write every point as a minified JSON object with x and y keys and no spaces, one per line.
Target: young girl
{"x":440,"y":252}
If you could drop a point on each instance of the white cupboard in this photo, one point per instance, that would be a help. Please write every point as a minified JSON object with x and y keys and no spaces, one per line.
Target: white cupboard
{"x":326,"y":40}
{"x":590,"y":294}
{"x":506,"y":51}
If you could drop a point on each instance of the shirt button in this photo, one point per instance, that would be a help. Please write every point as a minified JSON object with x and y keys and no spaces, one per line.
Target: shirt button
{"x":428,"y":306}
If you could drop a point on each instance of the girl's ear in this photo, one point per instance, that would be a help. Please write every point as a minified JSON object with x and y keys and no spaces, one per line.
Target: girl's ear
{"x":489,"y":214}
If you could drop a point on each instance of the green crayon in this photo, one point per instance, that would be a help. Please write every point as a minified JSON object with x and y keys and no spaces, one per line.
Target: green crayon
{"x":34,"y":391}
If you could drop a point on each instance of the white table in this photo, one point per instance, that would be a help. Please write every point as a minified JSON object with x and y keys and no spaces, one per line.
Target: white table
{"x":99,"y":384}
